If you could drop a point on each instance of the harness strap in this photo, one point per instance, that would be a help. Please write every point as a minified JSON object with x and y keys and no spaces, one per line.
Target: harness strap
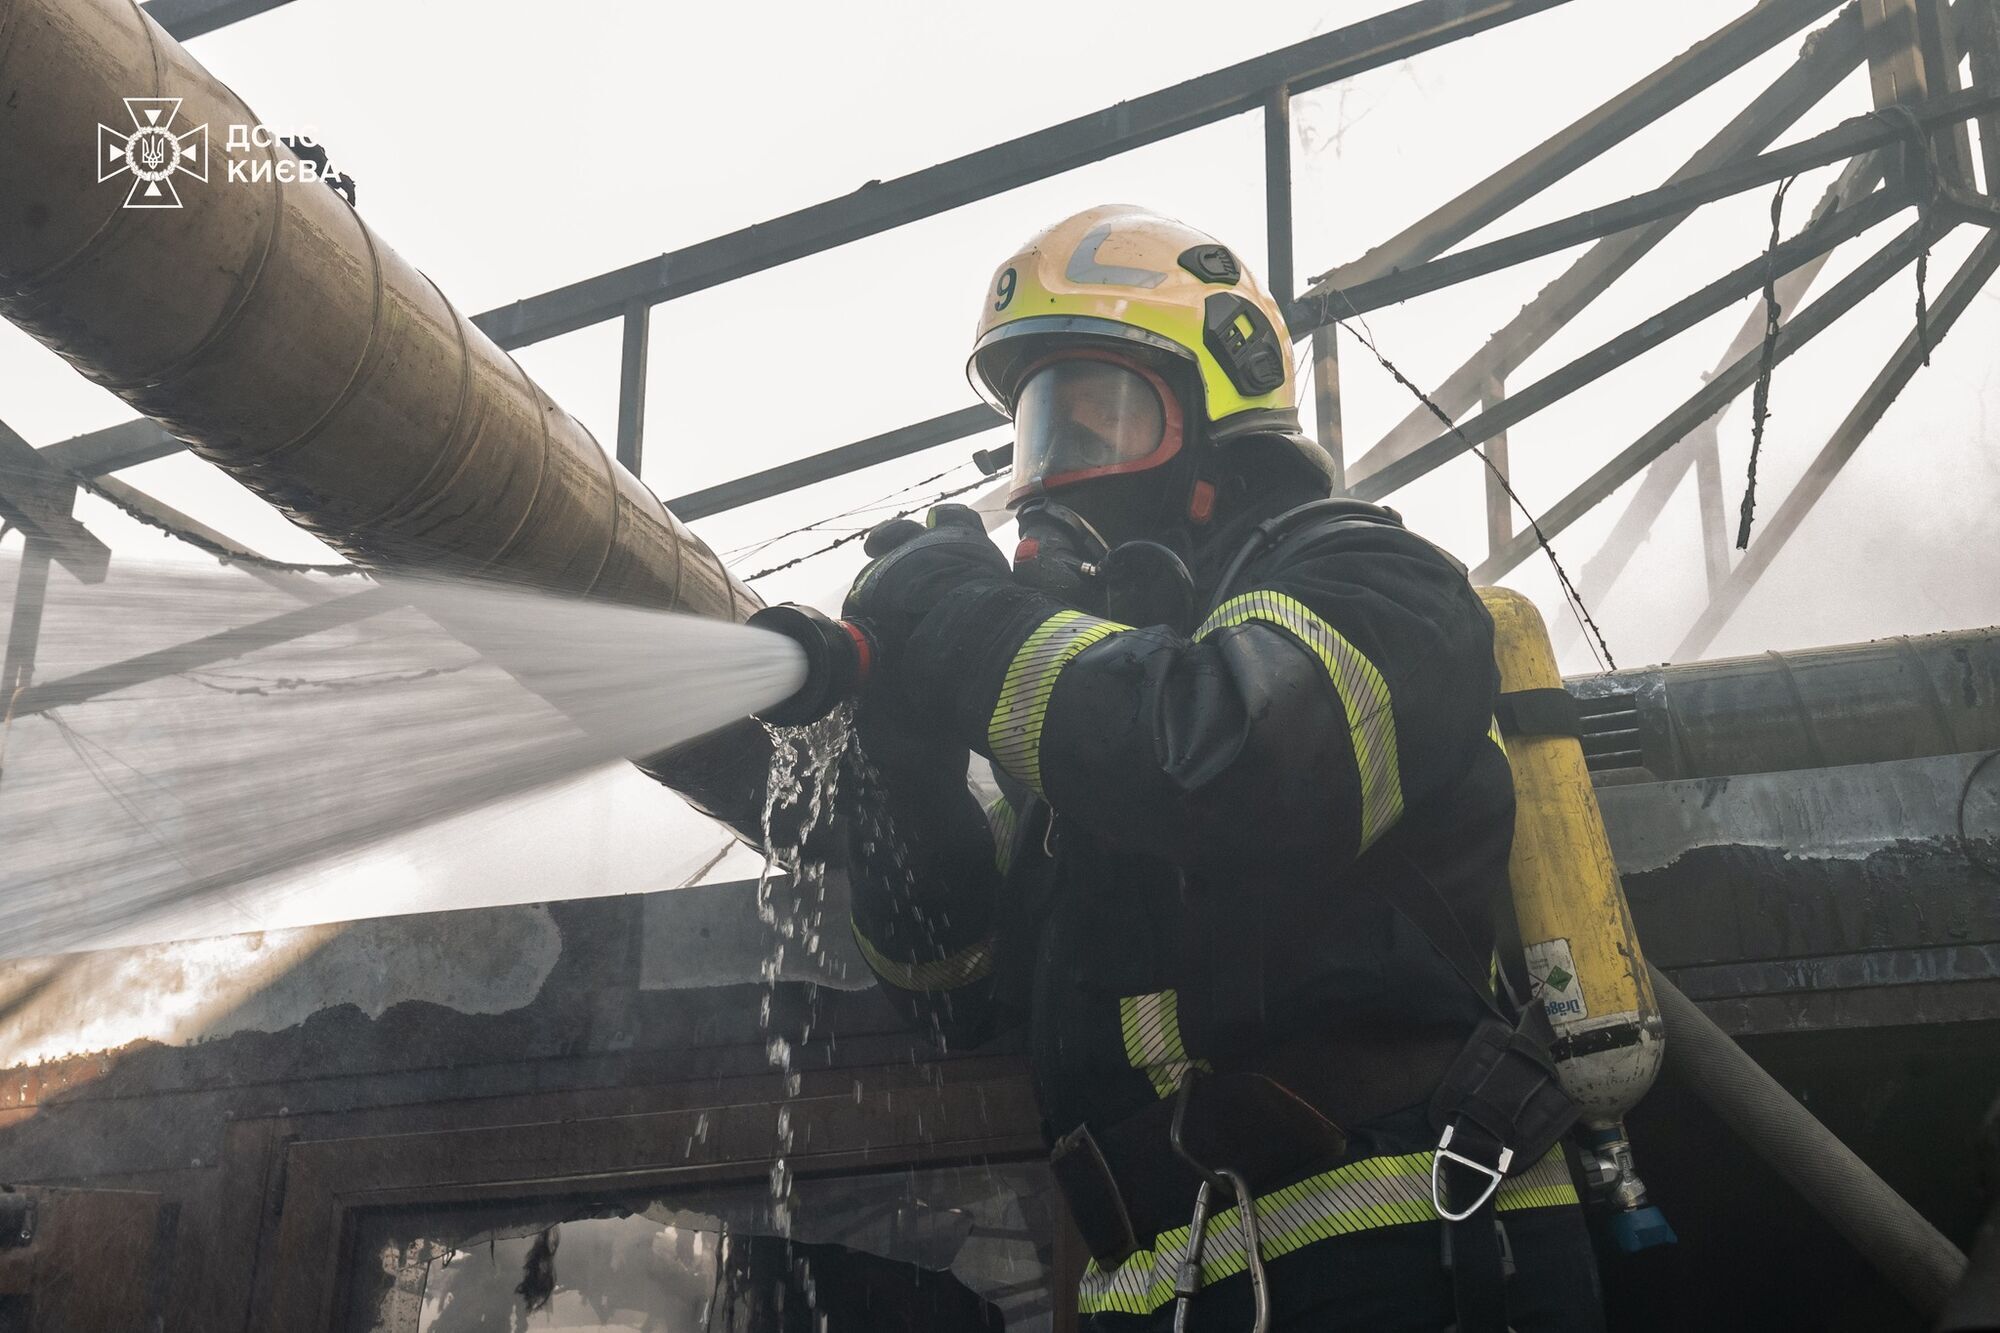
{"x":1477,"y":1261}
{"x":1545,"y":712}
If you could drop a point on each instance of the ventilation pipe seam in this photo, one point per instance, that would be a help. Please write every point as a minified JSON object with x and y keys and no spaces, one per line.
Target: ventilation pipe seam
{"x":371,"y":348}
{"x":411,"y":500}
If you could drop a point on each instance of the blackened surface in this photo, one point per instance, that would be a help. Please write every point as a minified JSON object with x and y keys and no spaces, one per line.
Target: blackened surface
{"x":154,"y":1107}
{"x":1717,"y":906}
{"x":1752,"y":1255}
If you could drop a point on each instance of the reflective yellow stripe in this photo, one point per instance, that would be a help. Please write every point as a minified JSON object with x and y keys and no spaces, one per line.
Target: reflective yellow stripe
{"x":1493,"y":734}
{"x":1015,"y":733}
{"x":1364,"y":696}
{"x":1151,"y":1025}
{"x":1361,"y":1196}
{"x":953,"y":970}
{"x":1000,"y":821}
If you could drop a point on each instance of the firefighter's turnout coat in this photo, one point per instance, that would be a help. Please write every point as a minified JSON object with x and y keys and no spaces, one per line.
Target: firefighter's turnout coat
{"x":1230,"y":849}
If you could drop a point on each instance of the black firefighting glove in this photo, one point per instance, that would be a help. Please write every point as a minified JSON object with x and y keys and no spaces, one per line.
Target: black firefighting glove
{"x":915,"y":568}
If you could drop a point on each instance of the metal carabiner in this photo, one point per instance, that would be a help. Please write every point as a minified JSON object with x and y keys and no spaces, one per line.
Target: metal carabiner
{"x":1187,"y":1280}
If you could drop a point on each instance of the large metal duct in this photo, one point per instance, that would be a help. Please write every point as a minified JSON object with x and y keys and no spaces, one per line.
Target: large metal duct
{"x":266,"y":325}
{"x":1862,"y":703}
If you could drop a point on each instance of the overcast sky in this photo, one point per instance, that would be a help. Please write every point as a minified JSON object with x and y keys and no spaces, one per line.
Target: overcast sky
{"x":508,"y":147}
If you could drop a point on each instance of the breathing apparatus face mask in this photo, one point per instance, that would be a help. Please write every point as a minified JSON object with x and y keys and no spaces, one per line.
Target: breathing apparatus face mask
{"x":1088,"y":415}
{"x":1100,"y":468}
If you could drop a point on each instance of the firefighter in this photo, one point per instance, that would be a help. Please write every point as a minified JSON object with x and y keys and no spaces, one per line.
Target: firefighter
{"x":1240,"y":884}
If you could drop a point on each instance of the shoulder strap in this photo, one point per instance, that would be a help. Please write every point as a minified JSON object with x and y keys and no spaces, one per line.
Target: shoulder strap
{"x":1274,"y":531}
{"x":1430,"y":915}
{"x":1310,"y":522}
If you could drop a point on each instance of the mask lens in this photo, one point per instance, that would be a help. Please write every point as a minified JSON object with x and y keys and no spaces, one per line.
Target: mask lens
{"x":1079,"y":417}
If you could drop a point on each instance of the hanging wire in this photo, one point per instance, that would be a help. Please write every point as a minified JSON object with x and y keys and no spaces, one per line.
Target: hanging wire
{"x":1760,"y":397}
{"x":76,"y":741}
{"x":859,"y":533}
{"x":1924,"y":156}
{"x":879,"y":502}
{"x":1602,"y":650}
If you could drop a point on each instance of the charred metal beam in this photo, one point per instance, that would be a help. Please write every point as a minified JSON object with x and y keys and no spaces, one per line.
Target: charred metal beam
{"x":1707,"y":454}
{"x":127,"y":444}
{"x":24,"y":628}
{"x":1895,"y":62}
{"x":638,"y":333}
{"x":1238,"y":88}
{"x":1278,"y":193}
{"x":1847,"y":437}
{"x":1326,"y":400}
{"x":1830,"y":54}
{"x":1699,"y":67}
{"x":1683,"y":314}
{"x":1706,"y":401}
{"x":191,"y":18}
{"x":1962,"y":205}
{"x":1909,"y":62}
{"x":1848,"y":139}
{"x":1940,"y":59}
{"x":967,"y":421}
{"x":876,"y":207}
{"x":209,"y":648}
{"x":1978,"y":33}
{"x":36,"y":498}
{"x":1499,"y":505}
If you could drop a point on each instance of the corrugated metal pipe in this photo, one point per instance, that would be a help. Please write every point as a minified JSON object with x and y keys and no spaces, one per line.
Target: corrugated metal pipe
{"x":1862,"y":703}
{"x":264,"y":323}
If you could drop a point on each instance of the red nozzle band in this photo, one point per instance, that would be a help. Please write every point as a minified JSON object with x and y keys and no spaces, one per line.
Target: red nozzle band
{"x":864,"y":653}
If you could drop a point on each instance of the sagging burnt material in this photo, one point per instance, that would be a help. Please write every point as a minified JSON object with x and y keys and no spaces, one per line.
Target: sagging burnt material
{"x":264,"y":323}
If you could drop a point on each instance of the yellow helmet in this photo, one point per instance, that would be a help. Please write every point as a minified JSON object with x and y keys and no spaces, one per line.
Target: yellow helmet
{"x":1121,"y":275}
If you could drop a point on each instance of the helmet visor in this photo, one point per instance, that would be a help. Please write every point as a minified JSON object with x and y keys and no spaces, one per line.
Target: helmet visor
{"x":1090,"y":415}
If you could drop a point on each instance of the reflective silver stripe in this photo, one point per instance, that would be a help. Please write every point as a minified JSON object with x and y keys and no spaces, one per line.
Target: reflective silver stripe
{"x":1000,"y":821}
{"x":1015,"y":733}
{"x":1367,"y":1195}
{"x":1364,"y":696}
{"x":1083,"y":265}
{"x":953,"y":970}
{"x":1151,"y":1027}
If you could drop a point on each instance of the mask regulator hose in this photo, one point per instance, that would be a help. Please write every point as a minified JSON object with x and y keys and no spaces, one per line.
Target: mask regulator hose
{"x":839,"y":657}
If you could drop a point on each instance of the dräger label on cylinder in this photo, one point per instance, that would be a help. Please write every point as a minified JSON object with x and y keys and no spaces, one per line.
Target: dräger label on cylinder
{"x":1553,"y":973}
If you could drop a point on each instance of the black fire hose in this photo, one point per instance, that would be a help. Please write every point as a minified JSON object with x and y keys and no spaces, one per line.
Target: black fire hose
{"x":1912,"y":1254}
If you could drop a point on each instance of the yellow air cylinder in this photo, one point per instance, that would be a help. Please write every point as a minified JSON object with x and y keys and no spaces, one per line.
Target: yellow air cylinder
{"x":1576,"y":930}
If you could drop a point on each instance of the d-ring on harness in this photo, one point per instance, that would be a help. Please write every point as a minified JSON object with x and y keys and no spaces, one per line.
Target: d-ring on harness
{"x":1494,"y":1175}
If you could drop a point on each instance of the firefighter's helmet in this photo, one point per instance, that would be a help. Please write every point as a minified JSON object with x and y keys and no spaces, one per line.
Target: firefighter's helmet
{"x":1119,"y":288}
